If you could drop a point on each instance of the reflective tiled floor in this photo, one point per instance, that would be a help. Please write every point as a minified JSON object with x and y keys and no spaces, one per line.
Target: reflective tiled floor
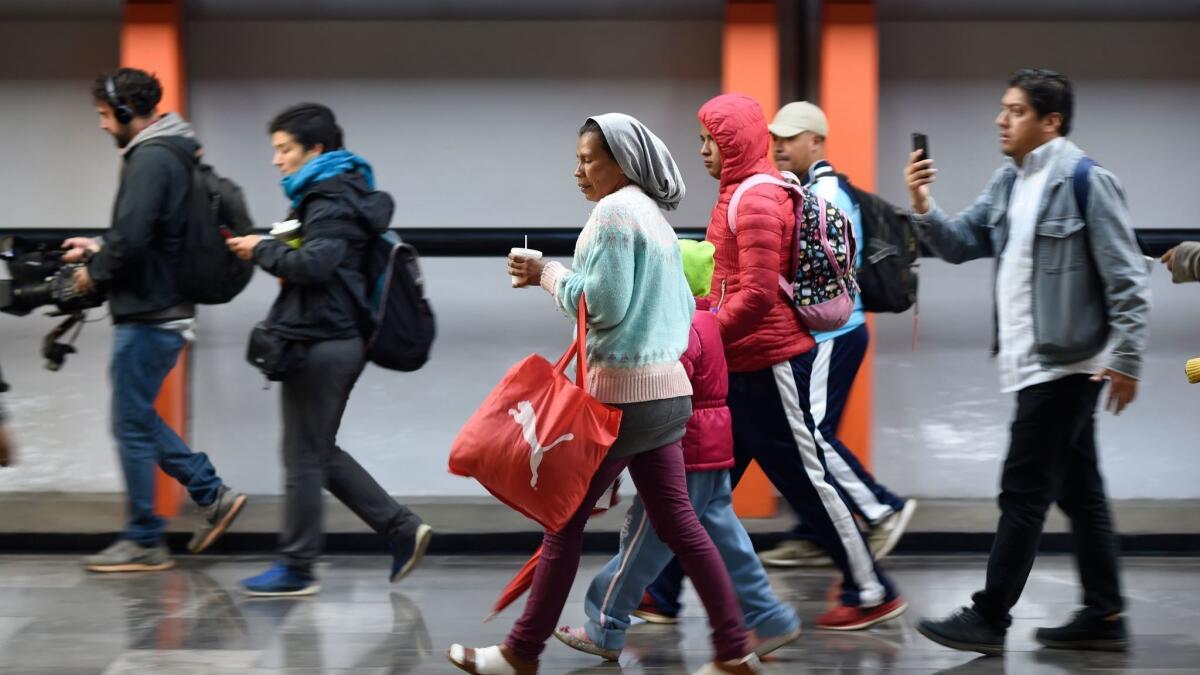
{"x":54,"y":618}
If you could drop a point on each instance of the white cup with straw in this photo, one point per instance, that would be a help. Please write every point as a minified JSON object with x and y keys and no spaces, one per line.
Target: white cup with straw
{"x":527,"y":253}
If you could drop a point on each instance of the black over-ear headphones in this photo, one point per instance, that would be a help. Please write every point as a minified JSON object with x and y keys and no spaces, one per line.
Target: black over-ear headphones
{"x":123,"y":113}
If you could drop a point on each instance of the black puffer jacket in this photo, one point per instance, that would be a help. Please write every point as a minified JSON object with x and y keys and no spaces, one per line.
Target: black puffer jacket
{"x":322,"y":280}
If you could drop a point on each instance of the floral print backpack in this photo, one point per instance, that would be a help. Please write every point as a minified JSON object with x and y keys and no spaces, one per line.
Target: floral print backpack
{"x":821,"y":285}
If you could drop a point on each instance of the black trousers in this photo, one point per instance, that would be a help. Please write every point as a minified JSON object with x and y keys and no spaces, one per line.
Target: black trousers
{"x":313,"y":402}
{"x":1052,"y":459}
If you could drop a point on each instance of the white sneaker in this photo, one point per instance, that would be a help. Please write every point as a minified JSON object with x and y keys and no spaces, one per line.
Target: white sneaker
{"x":747,"y":665}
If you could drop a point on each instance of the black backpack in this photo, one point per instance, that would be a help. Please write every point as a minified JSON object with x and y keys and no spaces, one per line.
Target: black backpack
{"x":401,"y":329}
{"x":209,"y":273}
{"x":890,"y":253}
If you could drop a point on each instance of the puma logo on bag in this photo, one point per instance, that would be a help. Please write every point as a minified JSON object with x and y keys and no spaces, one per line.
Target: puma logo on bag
{"x":527,"y":419}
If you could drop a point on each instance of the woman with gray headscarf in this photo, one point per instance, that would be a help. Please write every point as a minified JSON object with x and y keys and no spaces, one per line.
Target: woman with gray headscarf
{"x":627,"y":263}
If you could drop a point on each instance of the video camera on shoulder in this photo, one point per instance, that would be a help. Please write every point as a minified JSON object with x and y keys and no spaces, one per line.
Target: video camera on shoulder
{"x":35,"y":275}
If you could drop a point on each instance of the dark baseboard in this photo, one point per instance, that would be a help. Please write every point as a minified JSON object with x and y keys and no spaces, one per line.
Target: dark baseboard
{"x":524,"y":543}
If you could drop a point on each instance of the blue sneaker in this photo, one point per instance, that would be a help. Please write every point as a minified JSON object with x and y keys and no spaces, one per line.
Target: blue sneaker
{"x":406,"y":553}
{"x":280,"y":581}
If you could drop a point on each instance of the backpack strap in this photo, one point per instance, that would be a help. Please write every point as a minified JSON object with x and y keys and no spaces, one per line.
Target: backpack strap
{"x":797,"y":193}
{"x":189,"y":161}
{"x":1081,"y":183}
{"x":850,"y":189}
{"x":754,"y":181}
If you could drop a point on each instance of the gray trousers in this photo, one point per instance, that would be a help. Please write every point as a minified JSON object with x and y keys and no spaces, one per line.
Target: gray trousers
{"x":313,"y":402}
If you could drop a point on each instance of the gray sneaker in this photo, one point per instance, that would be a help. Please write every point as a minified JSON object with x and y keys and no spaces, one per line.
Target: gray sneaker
{"x":796,"y":553}
{"x":218,"y":516}
{"x":883,"y":537}
{"x":128,"y":556}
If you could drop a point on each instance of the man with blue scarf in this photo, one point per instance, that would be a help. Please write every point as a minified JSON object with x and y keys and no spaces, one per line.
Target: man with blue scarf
{"x":332,"y":193}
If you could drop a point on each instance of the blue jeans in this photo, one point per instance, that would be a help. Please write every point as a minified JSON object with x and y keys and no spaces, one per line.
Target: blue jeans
{"x":617,"y":589}
{"x":143,"y":355}
{"x":773,"y":423}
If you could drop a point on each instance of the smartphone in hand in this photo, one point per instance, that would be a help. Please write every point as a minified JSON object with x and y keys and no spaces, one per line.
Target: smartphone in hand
{"x":921,"y":142}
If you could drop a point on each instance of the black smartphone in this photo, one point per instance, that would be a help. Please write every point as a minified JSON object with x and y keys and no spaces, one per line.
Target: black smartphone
{"x":921,"y":142}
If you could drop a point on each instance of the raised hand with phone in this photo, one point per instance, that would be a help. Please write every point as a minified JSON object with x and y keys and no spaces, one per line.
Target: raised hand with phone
{"x":919,"y":174}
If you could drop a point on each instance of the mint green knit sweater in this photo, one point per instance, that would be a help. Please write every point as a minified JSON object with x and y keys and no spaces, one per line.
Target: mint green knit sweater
{"x":627,"y":262}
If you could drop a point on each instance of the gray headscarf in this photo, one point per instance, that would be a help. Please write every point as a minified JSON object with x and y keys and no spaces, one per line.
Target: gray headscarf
{"x":643,"y":157}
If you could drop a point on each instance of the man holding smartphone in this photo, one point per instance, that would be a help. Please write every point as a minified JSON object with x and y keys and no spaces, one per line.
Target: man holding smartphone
{"x":1071,"y":309}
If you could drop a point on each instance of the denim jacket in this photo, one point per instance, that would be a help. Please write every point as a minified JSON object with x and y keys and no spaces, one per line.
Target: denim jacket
{"x":1089,"y":277}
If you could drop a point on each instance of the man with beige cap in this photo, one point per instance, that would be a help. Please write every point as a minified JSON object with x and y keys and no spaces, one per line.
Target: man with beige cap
{"x":799,"y":131}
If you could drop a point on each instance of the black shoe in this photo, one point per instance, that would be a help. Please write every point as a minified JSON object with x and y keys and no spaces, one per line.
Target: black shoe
{"x":408,"y":551}
{"x":966,"y":630}
{"x":1087,"y":630}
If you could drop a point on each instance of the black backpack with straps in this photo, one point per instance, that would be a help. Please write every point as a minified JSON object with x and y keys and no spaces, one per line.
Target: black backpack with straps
{"x":398,"y":325}
{"x":208,"y":272}
{"x":889,"y":274}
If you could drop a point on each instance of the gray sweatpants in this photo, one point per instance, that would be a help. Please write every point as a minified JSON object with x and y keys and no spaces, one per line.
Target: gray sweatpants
{"x":313,"y":402}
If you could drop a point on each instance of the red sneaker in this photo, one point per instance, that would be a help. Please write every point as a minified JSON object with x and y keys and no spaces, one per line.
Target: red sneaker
{"x":649,"y":612}
{"x":844,"y":617}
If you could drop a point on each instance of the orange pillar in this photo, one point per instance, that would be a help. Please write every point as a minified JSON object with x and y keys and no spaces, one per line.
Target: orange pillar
{"x":850,"y":97}
{"x":750,"y":65}
{"x":152,"y":40}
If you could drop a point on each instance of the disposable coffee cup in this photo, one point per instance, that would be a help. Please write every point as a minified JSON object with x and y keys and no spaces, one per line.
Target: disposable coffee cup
{"x":529,"y":253}
{"x":288,"y":232}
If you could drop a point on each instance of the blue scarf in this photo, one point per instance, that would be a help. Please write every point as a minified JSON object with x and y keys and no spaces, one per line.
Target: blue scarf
{"x":323,"y":167}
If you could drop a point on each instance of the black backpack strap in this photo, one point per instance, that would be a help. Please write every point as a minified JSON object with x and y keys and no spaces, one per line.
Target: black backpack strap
{"x":1080,"y":182}
{"x":189,"y":161}
{"x":850,"y":189}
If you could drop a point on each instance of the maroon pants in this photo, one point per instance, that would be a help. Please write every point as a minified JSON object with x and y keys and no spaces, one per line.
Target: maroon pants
{"x":661,"y":483}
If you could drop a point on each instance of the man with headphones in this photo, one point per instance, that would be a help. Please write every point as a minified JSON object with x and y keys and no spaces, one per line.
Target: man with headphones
{"x":135,"y":263}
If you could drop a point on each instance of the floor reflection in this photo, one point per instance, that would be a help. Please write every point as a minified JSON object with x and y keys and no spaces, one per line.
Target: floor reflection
{"x":56,"y":619}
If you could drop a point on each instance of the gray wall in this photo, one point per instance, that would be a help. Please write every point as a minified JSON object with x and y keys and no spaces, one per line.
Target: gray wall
{"x":941,"y":423}
{"x":470,"y":124}
{"x":481,"y":135}
{"x":59,"y":169}
{"x":467,"y":126}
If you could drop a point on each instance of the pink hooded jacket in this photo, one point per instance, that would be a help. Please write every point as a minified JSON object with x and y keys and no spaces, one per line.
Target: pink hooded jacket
{"x":708,"y":441}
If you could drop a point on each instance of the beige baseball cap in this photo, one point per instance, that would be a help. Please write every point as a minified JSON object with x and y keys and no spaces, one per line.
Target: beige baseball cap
{"x":798,"y":117}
